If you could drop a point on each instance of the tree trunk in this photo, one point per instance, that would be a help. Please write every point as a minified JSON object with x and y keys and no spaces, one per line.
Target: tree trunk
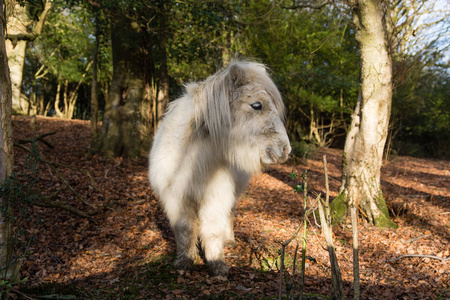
{"x":6,"y":148}
{"x":163,"y":88}
{"x":94,"y":86}
{"x":18,"y":35}
{"x":69,"y":97}
{"x":58,"y":111}
{"x":125,"y":130}
{"x":363,"y":152}
{"x":16,"y":61}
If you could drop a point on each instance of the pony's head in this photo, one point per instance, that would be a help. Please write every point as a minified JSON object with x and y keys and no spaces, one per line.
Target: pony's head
{"x":242,"y":111}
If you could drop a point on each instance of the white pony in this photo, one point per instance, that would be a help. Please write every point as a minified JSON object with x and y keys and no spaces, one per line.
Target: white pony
{"x":209,"y":143}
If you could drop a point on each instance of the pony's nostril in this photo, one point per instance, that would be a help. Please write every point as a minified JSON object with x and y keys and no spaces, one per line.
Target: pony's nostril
{"x":287,"y":149}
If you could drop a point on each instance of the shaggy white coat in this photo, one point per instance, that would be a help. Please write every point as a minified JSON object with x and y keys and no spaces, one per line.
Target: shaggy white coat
{"x":210,"y":142}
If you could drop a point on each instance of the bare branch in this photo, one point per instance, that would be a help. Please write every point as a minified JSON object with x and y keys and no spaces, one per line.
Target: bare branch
{"x":307,"y":4}
{"x":39,"y":138}
{"x":421,"y":255}
{"x":48,"y":201}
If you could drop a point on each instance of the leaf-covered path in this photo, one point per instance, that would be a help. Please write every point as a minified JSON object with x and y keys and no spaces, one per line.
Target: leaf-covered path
{"x":127,"y":251}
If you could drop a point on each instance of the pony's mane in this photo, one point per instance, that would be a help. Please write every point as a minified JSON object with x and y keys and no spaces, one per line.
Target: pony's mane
{"x":212,"y":96}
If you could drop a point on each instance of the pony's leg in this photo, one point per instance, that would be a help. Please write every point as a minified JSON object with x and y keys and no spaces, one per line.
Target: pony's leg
{"x":186,"y":234}
{"x":241,"y":179}
{"x":214,"y":217}
{"x":184,"y":224}
{"x":229,"y":233}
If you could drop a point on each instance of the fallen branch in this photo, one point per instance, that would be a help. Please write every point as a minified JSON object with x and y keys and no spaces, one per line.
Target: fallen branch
{"x":417,"y":238}
{"x":49,"y":200}
{"x":32,"y":140}
{"x":107,"y":171}
{"x":25,"y":296}
{"x":420,"y":255}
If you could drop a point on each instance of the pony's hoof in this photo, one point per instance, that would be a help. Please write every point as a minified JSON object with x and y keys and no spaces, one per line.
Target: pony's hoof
{"x":184,"y":264}
{"x":218,"y":268}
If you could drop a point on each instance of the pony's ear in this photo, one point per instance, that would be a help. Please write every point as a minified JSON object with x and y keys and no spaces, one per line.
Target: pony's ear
{"x":238,"y":75}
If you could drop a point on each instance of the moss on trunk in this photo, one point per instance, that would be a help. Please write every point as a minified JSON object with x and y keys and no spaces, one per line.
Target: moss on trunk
{"x":339,"y":209}
{"x":383,"y":220}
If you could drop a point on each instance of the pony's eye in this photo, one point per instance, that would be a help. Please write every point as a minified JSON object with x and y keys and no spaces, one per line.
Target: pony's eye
{"x":256,"y":105}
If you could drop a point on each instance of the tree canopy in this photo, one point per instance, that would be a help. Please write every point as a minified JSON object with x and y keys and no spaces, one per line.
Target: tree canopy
{"x":312,"y":54}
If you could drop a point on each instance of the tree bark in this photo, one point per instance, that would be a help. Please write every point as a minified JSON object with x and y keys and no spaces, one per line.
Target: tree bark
{"x":6,"y":147}
{"x":58,"y":111}
{"x":125,"y":130}
{"x":363,"y":152}
{"x":94,"y":87}
{"x":163,"y":88}
{"x":18,"y":35}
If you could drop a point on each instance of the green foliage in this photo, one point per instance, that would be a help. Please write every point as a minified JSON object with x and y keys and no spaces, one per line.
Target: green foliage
{"x":202,"y":32}
{"x":303,"y":149}
{"x":421,"y":112}
{"x":6,"y":286}
{"x":62,"y":53}
{"x":313,"y":56}
{"x":67,"y":43}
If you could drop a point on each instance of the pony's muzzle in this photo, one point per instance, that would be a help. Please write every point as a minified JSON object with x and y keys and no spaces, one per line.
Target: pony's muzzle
{"x":279,"y":155}
{"x":285,"y":154}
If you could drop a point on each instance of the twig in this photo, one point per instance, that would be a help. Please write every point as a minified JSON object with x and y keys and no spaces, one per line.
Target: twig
{"x":57,"y":164}
{"x":417,"y":238}
{"x":293,"y":272}
{"x":39,"y":138}
{"x":280,"y":284}
{"x":305,"y":226}
{"x":107,"y":171}
{"x":79,"y":197}
{"x":306,"y":212}
{"x":421,"y":255}
{"x":22,"y":294}
{"x":337,"y":290}
{"x":306,"y":5}
{"x":304,"y":218}
{"x":356,"y":277}
{"x":327,"y":194}
{"x":62,"y":205}
{"x":47,"y":201}
{"x":312,"y":225}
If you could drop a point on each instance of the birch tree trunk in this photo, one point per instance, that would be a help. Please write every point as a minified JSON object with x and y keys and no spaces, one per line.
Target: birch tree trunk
{"x":17,"y":37}
{"x":69,"y":97}
{"x":363,"y":152}
{"x":6,"y":145}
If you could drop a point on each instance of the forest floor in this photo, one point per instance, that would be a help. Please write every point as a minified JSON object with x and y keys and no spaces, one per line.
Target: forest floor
{"x":127,"y":251}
